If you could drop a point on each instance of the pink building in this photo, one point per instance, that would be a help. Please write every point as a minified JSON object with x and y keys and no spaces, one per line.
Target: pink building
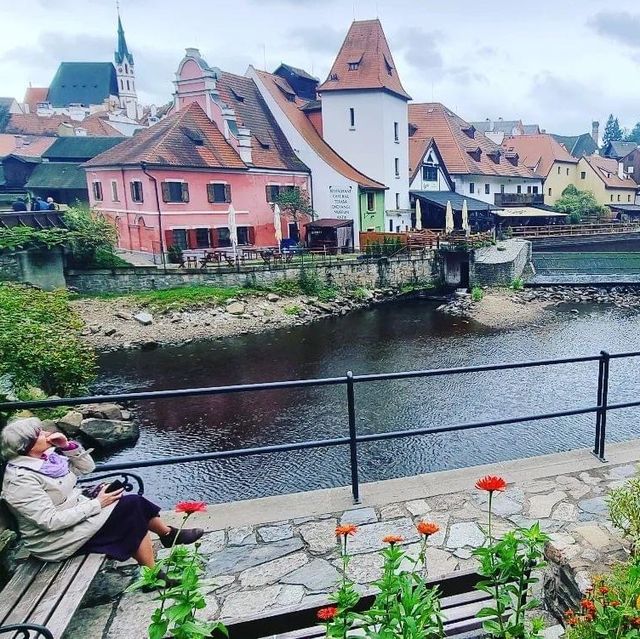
{"x":172,"y":184}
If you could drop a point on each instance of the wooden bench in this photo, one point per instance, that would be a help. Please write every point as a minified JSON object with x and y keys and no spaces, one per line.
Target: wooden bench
{"x":458,"y":598}
{"x":42,"y":597}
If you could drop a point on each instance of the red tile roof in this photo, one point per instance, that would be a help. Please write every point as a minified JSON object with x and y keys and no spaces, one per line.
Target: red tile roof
{"x":187,"y":138}
{"x":33,"y":95}
{"x":607,"y":171}
{"x":269,"y":147}
{"x":463,"y":149}
{"x":291,"y":105}
{"x":24,"y":146}
{"x":33,"y":124}
{"x":366,"y":49}
{"x":538,"y":152}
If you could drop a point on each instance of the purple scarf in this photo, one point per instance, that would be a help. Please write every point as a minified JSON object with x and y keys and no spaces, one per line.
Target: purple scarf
{"x":54,"y":465}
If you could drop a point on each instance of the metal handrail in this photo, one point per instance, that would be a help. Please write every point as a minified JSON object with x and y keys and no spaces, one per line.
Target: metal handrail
{"x":601,"y":409}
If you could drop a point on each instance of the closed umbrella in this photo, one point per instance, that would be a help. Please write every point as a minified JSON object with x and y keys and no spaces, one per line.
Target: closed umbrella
{"x":418,"y":216}
{"x":277,"y":224}
{"x":233,"y":229}
{"x":465,"y":217}
{"x":448,"y":218}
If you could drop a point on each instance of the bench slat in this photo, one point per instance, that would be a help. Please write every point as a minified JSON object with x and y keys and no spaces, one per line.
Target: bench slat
{"x":56,"y":593}
{"x":19,"y":584}
{"x":24,"y":606}
{"x":61,"y":617}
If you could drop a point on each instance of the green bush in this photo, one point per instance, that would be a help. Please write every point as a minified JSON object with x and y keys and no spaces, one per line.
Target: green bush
{"x":174,"y":253}
{"x":294,"y":309}
{"x":477,"y":293}
{"x":89,"y":234}
{"x":517,"y":284}
{"x":311,"y":284}
{"x":624,"y":510}
{"x":40,"y":347}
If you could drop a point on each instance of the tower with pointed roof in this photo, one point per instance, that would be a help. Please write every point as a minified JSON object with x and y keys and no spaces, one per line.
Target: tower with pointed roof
{"x":125,"y":73}
{"x":365,"y":115}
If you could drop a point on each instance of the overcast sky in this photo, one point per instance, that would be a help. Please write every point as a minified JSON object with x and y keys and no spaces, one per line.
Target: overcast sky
{"x":556,"y":63}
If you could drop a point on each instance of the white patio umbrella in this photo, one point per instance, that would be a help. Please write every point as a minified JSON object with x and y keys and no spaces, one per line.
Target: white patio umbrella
{"x":418,"y":216}
{"x":448,"y":218}
{"x":233,"y":230}
{"x":277,"y":224}
{"x":465,"y":217}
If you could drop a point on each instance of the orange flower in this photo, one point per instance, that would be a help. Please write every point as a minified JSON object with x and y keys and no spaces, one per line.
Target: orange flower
{"x":346,"y":529}
{"x":393,"y":539}
{"x":490,"y":483}
{"x":327,"y":614}
{"x":587,"y":604}
{"x":427,"y":528}
{"x":569,"y":613}
{"x":190,"y":507}
{"x":635,"y":622}
{"x":614,"y":604}
{"x":603,"y":590}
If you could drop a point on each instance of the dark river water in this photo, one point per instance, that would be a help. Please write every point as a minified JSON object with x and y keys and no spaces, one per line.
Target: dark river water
{"x":388,"y":338}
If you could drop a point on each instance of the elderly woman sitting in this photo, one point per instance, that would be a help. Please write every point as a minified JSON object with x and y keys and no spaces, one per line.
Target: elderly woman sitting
{"x":56,"y":519}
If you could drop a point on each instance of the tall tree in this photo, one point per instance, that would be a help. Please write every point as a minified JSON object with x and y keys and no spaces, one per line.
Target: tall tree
{"x":612,"y":130}
{"x":634,"y":134}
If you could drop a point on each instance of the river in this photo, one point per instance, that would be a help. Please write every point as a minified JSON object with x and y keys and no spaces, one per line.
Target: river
{"x":391,"y":337}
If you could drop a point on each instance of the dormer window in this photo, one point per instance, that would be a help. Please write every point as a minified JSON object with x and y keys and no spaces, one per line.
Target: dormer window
{"x":495,"y":155}
{"x":476,"y":153}
{"x":237,"y":96}
{"x":513,"y":157}
{"x":388,"y":65}
{"x":263,"y":143}
{"x":353,"y":66}
{"x":354,"y":63}
{"x":333,"y":76}
{"x":469,"y":130}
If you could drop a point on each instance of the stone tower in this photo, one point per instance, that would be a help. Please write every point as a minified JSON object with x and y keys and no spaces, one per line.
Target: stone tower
{"x":126,"y":75}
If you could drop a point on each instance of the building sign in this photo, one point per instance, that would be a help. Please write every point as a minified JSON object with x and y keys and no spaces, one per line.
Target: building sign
{"x":340,"y":202}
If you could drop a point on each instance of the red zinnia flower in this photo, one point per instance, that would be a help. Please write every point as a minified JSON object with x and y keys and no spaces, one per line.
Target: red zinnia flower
{"x":636,"y":622}
{"x":427,"y":528}
{"x":393,"y":539}
{"x":190,"y":507}
{"x":490,"y":483}
{"x":327,"y":614}
{"x":346,"y":529}
{"x":614,"y":604}
{"x":603,"y":590}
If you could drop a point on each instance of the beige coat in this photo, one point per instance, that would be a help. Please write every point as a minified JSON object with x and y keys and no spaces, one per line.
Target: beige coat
{"x":55,"y":519}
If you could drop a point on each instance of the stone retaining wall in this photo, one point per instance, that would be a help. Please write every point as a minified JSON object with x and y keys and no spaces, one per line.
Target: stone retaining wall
{"x":375,"y":274}
{"x":10,"y":268}
{"x":500,"y":264}
{"x":40,"y":268}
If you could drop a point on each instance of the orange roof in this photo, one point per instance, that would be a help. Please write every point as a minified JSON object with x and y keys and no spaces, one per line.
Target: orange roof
{"x":417,"y":149}
{"x":291,"y":105}
{"x":33,"y":124}
{"x":607,"y":171}
{"x":538,"y":152}
{"x":24,"y":145}
{"x":186,"y":138}
{"x":33,"y":95}
{"x":364,"y":62}
{"x":463,"y":149}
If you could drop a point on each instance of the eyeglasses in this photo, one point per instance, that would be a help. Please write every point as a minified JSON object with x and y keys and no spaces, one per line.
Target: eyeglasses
{"x":32,"y":442}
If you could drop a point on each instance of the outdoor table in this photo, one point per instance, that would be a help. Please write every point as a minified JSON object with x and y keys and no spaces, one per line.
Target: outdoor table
{"x":250,"y":253}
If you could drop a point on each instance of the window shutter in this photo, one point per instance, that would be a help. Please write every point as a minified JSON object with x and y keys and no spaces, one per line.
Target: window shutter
{"x":251,"y":235}
{"x":210,"y":194}
{"x":192,"y":239}
{"x":185,"y":192}
{"x":213,"y":234}
{"x":133,"y":190}
{"x":268,"y":193}
{"x":166,"y":196}
{"x":168,"y":238}
{"x":227,"y":193}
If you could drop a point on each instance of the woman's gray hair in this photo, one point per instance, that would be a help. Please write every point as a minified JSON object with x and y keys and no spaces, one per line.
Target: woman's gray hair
{"x":18,"y":435}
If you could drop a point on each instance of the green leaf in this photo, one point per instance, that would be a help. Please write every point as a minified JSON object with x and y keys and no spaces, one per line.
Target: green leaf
{"x":158,"y":629}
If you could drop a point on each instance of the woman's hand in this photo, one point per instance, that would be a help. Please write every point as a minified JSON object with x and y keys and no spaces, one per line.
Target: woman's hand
{"x":106,"y":499}
{"x":59,"y":440}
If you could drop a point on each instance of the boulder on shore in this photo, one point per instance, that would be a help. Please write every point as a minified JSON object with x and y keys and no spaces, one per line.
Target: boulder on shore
{"x":70,"y":423}
{"x":109,"y":432}
{"x":236,"y":308}
{"x":104,"y":411}
{"x":144,"y":318}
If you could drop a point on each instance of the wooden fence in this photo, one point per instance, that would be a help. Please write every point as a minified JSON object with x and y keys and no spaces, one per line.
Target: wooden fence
{"x":573,"y":229}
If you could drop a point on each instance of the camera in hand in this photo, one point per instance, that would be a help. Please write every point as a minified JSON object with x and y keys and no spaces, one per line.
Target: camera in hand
{"x":114,"y":485}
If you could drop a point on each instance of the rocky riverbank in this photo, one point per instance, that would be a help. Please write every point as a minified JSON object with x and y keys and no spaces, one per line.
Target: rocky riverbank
{"x":125,"y":323}
{"x":505,"y":308}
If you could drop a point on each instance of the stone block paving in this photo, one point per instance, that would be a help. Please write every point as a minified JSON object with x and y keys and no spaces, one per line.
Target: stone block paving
{"x":254,"y":569}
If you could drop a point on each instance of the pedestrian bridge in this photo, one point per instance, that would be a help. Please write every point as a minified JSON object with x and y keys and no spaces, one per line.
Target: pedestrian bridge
{"x":585,"y":268}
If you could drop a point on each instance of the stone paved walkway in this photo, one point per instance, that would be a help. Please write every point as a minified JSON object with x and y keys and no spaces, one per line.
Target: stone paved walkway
{"x":291,"y":561}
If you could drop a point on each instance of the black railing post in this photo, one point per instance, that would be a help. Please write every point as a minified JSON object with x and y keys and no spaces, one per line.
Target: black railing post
{"x":605,"y":358}
{"x":353,"y":443}
{"x":596,"y":444}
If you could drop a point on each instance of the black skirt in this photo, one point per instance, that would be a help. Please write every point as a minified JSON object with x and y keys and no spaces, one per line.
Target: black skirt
{"x":124,"y":530}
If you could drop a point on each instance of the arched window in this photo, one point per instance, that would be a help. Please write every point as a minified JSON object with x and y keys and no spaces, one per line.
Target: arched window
{"x":140,"y":222}
{"x":126,"y":68}
{"x":128,"y":85}
{"x":121,"y":84}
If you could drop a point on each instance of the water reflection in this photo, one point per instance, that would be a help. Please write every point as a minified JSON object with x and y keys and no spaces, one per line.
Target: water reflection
{"x":388,"y":338}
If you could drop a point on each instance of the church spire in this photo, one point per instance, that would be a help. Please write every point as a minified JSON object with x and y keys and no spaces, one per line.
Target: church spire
{"x":122,"y":54}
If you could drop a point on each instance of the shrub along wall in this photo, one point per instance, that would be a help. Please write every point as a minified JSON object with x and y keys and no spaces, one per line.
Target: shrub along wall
{"x":375,"y":274}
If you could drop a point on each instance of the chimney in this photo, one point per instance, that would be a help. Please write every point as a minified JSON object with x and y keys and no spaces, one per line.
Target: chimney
{"x":595,"y":131}
{"x":621,"y":170}
{"x":244,"y":144}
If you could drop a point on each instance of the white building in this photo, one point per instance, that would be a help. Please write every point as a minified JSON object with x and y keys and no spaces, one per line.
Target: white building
{"x":365,"y":116}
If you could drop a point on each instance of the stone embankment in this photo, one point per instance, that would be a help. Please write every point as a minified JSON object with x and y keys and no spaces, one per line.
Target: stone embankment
{"x":103,"y":425}
{"x":505,"y":308}
{"x":123,"y":323}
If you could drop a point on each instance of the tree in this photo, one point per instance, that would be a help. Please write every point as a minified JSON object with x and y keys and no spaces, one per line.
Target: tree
{"x":634,"y":134}
{"x":612,"y":130}
{"x":294,"y":202}
{"x":90,"y":234}
{"x":578,"y":204}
